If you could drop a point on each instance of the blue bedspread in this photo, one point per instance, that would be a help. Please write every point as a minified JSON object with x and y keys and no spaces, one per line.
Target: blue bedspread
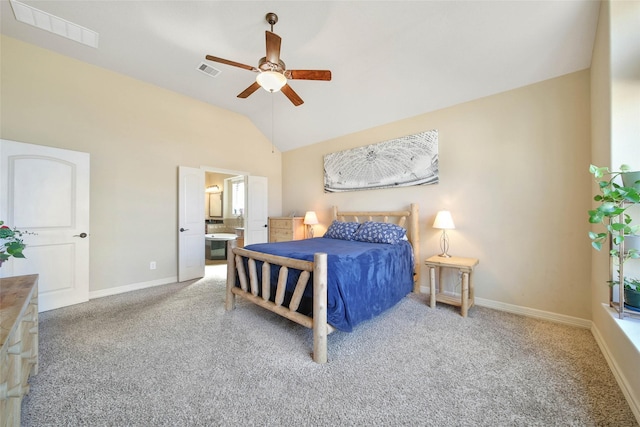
{"x":363,"y":279}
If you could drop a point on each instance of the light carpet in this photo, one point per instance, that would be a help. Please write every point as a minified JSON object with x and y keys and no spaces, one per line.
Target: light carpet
{"x":171,"y":356}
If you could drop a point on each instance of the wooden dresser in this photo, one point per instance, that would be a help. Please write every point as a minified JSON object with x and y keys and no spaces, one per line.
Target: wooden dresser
{"x":284,"y":228}
{"x":19,"y":335}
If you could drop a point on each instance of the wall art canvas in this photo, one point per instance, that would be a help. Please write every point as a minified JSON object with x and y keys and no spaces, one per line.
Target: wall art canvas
{"x":401,"y":162}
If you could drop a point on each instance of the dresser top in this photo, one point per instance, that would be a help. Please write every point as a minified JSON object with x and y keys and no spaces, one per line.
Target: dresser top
{"x":15,"y":293}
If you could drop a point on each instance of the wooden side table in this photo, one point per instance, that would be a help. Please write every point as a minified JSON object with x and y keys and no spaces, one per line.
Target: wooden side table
{"x":465,"y":266}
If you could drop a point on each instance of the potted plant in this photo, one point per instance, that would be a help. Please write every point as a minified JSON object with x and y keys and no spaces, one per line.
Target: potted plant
{"x":631,"y":291}
{"x":11,"y":244}
{"x":613,"y":200}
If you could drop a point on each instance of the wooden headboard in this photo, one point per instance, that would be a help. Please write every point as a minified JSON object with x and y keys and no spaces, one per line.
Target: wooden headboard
{"x":407,"y":219}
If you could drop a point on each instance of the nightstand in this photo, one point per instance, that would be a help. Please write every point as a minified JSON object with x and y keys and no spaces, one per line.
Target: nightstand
{"x":465,"y":267}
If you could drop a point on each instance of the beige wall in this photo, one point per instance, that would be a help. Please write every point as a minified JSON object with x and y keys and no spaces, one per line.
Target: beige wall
{"x":514,"y":174}
{"x":137,"y":135}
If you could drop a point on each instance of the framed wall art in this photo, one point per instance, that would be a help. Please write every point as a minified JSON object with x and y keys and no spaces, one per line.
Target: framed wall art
{"x":402,"y":162}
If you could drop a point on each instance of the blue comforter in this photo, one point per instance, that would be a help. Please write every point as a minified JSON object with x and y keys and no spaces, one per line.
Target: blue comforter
{"x":363,"y":279}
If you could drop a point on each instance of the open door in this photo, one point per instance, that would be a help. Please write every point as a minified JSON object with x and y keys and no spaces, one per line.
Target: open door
{"x":256,"y":197}
{"x":45,"y":190}
{"x":191,"y":226}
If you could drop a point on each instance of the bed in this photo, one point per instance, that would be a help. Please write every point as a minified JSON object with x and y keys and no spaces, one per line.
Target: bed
{"x":365,"y":264}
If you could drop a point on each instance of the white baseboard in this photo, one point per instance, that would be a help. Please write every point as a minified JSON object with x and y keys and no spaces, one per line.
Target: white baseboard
{"x":528,"y":312}
{"x":617,"y":373}
{"x":132,"y":287}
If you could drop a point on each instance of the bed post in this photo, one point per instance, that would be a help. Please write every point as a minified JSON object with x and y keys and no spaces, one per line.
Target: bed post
{"x":415,"y":240}
{"x":334,"y":213}
{"x":319,"y":308}
{"x":230,"y":300}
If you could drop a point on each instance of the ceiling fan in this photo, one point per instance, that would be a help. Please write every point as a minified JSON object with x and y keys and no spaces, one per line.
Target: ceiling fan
{"x":273,"y":75}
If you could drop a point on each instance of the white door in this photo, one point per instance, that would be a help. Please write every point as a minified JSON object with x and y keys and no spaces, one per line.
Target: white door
{"x":191,"y":226}
{"x":45,"y":190}
{"x":256,"y":195}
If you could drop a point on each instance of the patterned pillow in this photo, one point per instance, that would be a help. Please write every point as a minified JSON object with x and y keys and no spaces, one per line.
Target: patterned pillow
{"x":341,"y":230}
{"x":380,"y":232}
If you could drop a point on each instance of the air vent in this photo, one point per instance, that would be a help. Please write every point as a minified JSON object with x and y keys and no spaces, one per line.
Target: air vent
{"x":48,"y":22}
{"x":209,"y":70}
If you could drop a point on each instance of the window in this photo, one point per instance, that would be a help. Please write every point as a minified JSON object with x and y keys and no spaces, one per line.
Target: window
{"x":237,"y":196}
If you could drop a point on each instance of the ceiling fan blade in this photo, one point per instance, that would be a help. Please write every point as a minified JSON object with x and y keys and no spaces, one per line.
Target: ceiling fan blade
{"x":273,"y":47}
{"x":292,"y":95}
{"x":232,"y":63}
{"x":248,"y":91}
{"x":309,"y":74}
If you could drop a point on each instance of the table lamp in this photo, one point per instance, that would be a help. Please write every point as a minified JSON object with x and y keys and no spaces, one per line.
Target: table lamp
{"x":444,"y":222}
{"x":310,"y":219}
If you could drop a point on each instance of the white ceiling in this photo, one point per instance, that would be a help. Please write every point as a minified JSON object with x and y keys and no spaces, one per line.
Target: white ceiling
{"x":390,"y":60}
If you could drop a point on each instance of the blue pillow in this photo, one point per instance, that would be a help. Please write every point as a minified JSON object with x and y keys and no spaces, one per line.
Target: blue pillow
{"x":341,"y":230}
{"x":380,"y":232}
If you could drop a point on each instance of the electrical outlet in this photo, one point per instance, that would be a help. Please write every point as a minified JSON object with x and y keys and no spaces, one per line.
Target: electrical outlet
{"x":152,"y":265}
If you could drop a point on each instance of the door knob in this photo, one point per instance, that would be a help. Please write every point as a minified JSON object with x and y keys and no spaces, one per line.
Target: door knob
{"x":81,"y":235}
{"x":183,"y":229}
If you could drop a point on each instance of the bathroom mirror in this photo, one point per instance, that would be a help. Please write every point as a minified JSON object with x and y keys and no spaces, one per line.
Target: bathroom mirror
{"x":215,"y":205}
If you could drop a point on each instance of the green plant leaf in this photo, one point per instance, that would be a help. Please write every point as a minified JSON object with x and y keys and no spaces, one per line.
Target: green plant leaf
{"x":607,"y":207}
{"x":618,"y":226}
{"x":596,"y":217}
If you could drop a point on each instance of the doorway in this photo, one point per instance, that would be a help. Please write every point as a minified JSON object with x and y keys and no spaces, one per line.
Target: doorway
{"x":221,"y":219}
{"x":251,"y":211}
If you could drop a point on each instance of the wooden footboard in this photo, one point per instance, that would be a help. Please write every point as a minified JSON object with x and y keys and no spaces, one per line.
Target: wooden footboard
{"x":259,"y":291}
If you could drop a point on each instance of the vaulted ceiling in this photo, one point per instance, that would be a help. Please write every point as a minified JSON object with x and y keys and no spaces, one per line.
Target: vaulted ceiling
{"x":389,"y":59}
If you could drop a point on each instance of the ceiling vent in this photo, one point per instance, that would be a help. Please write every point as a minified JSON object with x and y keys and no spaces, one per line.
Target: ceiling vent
{"x":48,"y":22}
{"x":209,"y":70}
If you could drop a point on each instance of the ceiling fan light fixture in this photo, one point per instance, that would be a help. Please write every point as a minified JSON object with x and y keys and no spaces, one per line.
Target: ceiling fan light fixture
{"x":271,"y":81}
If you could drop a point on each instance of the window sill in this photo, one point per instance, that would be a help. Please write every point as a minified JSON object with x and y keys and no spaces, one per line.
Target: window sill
{"x":630,"y":326}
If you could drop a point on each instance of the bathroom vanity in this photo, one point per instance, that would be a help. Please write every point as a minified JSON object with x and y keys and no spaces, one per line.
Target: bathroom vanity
{"x":216,"y":245}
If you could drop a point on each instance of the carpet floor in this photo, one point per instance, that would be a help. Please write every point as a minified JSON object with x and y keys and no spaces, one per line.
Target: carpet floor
{"x":171,"y":356}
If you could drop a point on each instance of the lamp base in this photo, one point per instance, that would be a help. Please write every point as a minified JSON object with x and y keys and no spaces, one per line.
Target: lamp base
{"x":444,"y":245}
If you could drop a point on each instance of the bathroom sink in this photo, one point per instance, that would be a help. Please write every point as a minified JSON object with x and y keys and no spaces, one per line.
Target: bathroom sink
{"x":220,"y":236}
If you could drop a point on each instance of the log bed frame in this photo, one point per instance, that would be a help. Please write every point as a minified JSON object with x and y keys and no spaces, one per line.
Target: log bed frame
{"x":250,"y":286}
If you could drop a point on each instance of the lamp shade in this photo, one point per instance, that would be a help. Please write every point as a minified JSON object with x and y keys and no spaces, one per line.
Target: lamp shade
{"x":271,"y":81}
{"x":310,"y":218}
{"x":444,"y":221}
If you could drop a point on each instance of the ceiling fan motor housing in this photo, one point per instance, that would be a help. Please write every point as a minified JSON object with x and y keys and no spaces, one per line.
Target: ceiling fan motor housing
{"x":265,"y":65}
